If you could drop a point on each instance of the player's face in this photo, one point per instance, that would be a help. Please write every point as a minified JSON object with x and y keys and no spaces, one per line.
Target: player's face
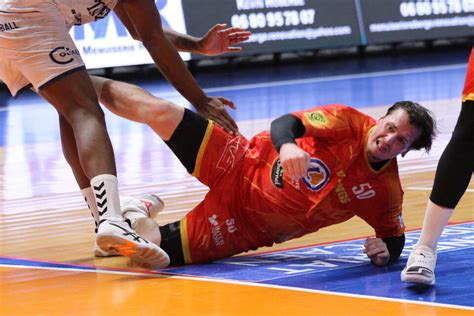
{"x":392,"y":135}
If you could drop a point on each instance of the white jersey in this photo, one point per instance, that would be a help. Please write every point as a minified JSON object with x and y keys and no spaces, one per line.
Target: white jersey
{"x":79,"y":12}
{"x":35,"y":45}
{"x":76,"y":12}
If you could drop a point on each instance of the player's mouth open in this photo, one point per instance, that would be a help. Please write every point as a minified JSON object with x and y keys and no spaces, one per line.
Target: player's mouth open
{"x":382,"y":147}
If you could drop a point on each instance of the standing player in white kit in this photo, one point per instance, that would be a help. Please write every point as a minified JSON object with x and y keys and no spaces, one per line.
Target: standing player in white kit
{"x":36,"y":51}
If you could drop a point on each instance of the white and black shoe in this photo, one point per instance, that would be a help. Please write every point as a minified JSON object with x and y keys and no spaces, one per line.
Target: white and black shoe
{"x":119,"y":237}
{"x":138,"y":211}
{"x":420,"y":266}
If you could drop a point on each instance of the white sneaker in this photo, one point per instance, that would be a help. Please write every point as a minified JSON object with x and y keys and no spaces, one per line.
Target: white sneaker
{"x":119,"y":237}
{"x":102,"y":253}
{"x":420,"y":266}
{"x":140,"y":212}
{"x":146,"y":205}
{"x":135,"y":209}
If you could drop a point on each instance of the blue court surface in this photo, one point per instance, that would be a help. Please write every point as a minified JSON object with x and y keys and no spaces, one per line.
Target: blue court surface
{"x":340,"y":268}
{"x":263,"y":93}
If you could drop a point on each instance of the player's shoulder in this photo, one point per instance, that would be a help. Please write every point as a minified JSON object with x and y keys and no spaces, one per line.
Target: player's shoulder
{"x":339,"y":109}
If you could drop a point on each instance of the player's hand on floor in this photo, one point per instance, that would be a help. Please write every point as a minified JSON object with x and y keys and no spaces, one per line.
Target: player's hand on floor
{"x":376,"y":249}
{"x":294,"y":160}
{"x":214,"y":108}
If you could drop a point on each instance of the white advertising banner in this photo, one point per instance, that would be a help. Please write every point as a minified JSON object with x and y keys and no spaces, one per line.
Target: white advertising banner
{"x":107,"y":43}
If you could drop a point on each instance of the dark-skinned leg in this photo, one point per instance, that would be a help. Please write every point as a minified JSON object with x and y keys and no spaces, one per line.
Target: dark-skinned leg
{"x":69,"y":148}
{"x":75,"y":99}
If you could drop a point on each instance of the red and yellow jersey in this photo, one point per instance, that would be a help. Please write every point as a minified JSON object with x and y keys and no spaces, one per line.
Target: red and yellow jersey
{"x":468,"y":92}
{"x":340,"y":182}
{"x":251,"y":203}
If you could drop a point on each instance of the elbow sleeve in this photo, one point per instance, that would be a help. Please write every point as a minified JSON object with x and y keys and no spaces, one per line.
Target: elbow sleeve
{"x":286,"y":129}
{"x":395,"y":246}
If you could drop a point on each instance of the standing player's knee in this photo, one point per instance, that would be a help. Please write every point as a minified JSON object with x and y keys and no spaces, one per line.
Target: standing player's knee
{"x":85,"y":116}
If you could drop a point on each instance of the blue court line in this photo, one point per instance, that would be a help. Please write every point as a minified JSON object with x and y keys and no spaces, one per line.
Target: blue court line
{"x":339,"y":268}
{"x":12,"y":262}
{"x":343,"y":268}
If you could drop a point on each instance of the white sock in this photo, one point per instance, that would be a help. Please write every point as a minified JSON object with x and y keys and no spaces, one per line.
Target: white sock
{"x":105,"y":188}
{"x":88,"y":195}
{"x":436,"y":218}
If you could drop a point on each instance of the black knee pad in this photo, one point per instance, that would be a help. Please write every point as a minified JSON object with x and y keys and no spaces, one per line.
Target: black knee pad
{"x":187,"y":138}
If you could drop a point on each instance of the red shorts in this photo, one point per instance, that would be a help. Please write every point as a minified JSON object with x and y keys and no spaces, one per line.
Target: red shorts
{"x":468,"y":92}
{"x":215,"y":228}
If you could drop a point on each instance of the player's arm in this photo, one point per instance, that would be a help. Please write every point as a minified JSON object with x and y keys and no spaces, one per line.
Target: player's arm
{"x":284,"y":132}
{"x":143,"y":21}
{"x":383,"y":251}
{"x":395,"y":246}
{"x":218,"y":40}
{"x":124,"y":18}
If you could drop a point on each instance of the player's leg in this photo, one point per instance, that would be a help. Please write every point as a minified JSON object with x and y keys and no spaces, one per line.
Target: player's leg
{"x":69,"y":148}
{"x":181,"y":129}
{"x":452,"y":178}
{"x":453,"y":175}
{"x":136,"y":104}
{"x":74,"y":97}
{"x":56,"y":71}
{"x":192,"y":138}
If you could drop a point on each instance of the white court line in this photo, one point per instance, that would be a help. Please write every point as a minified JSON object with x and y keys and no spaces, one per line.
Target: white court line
{"x":429,"y":189}
{"x":165,"y":274}
{"x":296,"y":81}
{"x":247,"y":284}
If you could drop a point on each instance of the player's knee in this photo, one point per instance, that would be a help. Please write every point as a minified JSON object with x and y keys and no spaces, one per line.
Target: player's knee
{"x":85,"y":116}
{"x":162,"y":111}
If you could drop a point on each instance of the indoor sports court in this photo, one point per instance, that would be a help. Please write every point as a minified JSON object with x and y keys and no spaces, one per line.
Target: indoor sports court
{"x":47,"y":266}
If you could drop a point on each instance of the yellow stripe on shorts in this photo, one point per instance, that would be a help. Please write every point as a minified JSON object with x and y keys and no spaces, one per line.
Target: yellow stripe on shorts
{"x":468,"y":97}
{"x":185,"y":241}
{"x":202,"y":149}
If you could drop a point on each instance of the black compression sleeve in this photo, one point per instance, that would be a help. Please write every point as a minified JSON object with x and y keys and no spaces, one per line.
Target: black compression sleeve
{"x":171,"y":242}
{"x":286,"y":129}
{"x":395,"y":246}
{"x":456,"y":164}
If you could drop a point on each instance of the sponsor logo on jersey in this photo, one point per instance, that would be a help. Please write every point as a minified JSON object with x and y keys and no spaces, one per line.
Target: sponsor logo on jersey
{"x":63,"y":55}
{"x":216,"y":231}
{"x":99,"y":10}
{"x":342,"y":193}
{"x":77,"y":17}
{"x":231,"y":153}
{"x":318,"y":175}
{"x":277,"y":174}
{"x":9,"y":26}
{"x":316,"y":118}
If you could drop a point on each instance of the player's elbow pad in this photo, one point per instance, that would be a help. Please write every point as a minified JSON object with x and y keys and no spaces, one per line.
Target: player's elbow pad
{"x":395,"y":246}
{"x":286,"y":129}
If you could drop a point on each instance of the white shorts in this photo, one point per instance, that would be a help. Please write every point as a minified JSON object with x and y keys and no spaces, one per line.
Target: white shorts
{"x":35,"y":45}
